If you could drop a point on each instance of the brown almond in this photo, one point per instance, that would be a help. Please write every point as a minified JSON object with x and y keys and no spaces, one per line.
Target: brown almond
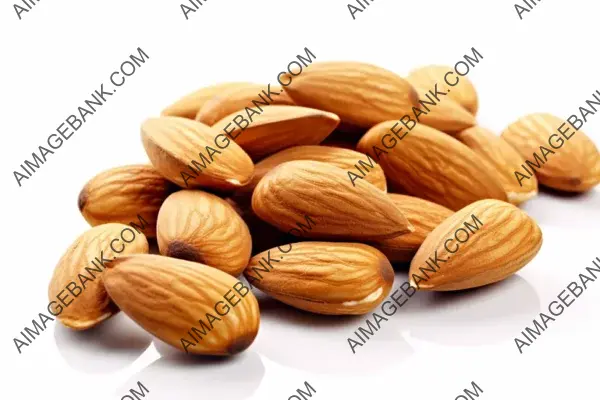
{"x":361,"y":94}
{"x":189,"y":105}
{"x":192,"y":154}
{"x":429,"y":164}
{"x":324,"y":278}
{"x":238,"y":98}
{"x":201,"y":227}
{"x":504,"y":158}
{"x":127,"y":194}
{"x":80,"y":270}
{"x":193,"y":307}
{"x":443,"y":114}
{"x":277,"y":128}
{"x":297,"y":190}
{"x":560,"y":157}
{"x":483,"y":243}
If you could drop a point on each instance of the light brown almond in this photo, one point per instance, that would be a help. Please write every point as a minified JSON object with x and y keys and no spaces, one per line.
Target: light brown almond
{"x":192,"y":154}
{"x":277,"y":128}
{"x":189,"y":105}
{"x":193,"y":307}
{"x":504,"y":158}
{"x":423,"y":215}
{"x":201,"y":227}
{"x":483,"y":243}
{"x":295,"y":190}
{"x":360,"y":94}
{"x":445,"y":114}
{"x":463,"y":92}
{"x":77,"y":278}
{"x":324,"y":278}
{"x":560,"y":157}
{"x":238,"y":98}
{"x":429,"y":164}
{"x":128,"y":194}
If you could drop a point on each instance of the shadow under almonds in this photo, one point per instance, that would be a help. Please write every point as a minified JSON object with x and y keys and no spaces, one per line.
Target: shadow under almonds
{"x":319,"y":343}
{"x":481,"y":316}
{"x":180,"y":376}
{"x":110,"y":346}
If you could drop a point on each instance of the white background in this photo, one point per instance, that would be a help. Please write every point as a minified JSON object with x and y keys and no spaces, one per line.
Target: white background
{"x":63,"y":50}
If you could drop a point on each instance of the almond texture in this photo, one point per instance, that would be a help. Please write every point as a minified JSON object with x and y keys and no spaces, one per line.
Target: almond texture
{"x":324,"y":278}
{"x":193,"y":307}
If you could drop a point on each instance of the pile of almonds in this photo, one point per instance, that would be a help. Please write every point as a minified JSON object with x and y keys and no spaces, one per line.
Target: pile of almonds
{"x":279,"y":205}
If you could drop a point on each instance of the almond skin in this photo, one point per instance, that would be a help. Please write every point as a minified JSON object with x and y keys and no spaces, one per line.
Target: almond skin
{"x":487,"y":252}
{"x":338,"y":157}
{"x":424,"y":216}
{"x":168,"y":297}
{"x":201,"y":227}
{"x":279,"y":127}
{"x":121,"y":194}
{"x":362,"y":95}
{"x":92,"y":305}
{"x":504,"y":158}
{"x":296,"y":189}
{"x":575,"y":164}
{"x":446,"y":115}
{"x":431,"y":165}
{"x":238,"y":98}
{"x":463,"y":93}
{"x":189,"y":105}
{"x":173,"y":144}
{"x":323,"y":278}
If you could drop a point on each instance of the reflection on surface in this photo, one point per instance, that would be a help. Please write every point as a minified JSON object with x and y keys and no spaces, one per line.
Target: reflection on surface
{"x":481,"y":316}
{"x":111,"y":346}
{"x":180,"y":376}
{"x":318,"y":343}
{"x":565,"y":209}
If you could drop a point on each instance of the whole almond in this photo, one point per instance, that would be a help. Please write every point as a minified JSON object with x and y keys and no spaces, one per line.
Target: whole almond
{"x":323,"y":192}
{"x":565,"y":159}
{"x":324,"y":278}
{"x":279,"y":127}
{"x":429,"y":164}
{"x":504,"y":158}
{"x":180,"y":301}
{"x":483,"y":243}
{"x":201,"y":227}
{"x":191,"y":154}
{"x":189,"y":105}
{"x":124,"y":195}
{"x":361,"y":94}
{"x":463,"y":92}
{"x":339,"y":157}
{"x":423,"y":215}
{"x":80,"y":271}
{"x":446,"y":115}
{"x":238,"y":98}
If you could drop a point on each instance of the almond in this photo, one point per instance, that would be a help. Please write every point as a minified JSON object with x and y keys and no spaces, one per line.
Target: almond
{"x":463,"y":93}
{"x":504,"y":158}
{"x":294,"y":190}
{"x":238,"y":98}
{"x":429,"y":164}
{"x":361,"y":94}
{"x":189,"y":105}
{"x":193,"y":307}
{"x":339,"y":157}
{"x":324,"y":278}
{"x":80,"y":271}
{"x":483,"y":243}
{"x":560,"y":157}
{"x":445,"y":115}
{"x":279,"y":127}
{"x":423,"y":215}
{"x":201,"y":227}
{"x":132,"y":193}
{"x":180,"y":148}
